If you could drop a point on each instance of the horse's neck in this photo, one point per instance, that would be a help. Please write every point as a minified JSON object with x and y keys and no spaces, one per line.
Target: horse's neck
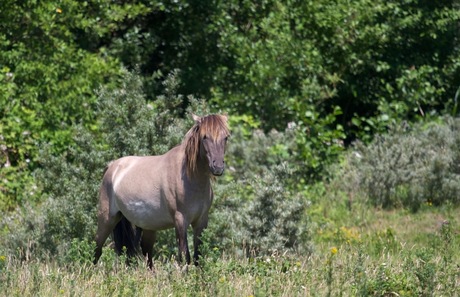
{"x":201,"y":173}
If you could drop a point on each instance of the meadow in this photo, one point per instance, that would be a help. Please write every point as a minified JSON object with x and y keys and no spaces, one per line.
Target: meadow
{"x":383,"y":221}
{"x":342,"y":177}
{"x":362,"y":252}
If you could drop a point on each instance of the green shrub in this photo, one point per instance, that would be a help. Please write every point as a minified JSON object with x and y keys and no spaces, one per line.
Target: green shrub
{"x":260,"y":210}
{"x":257,"y":205}
{"x":260,"y":216}
{"x":47,"y":78}
{"x":275,"y":217}
{"x":409,"y":167}
{"x":79,"y":252}
{"x":69,"y":181}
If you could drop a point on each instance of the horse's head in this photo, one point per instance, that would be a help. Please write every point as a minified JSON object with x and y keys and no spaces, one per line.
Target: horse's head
{"x":214,"y":134}
{"x":209,"y":136}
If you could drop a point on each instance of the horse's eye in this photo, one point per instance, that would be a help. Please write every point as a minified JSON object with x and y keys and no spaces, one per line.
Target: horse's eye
{"x":205,"y":137}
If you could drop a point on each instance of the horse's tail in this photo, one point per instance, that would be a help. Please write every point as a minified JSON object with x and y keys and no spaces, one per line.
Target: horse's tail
{"x":126,"y":236}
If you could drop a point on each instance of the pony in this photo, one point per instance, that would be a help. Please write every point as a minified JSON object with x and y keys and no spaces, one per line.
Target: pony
{"x":154,"y":193}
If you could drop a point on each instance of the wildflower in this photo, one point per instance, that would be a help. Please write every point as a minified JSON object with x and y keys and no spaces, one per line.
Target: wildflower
{"x":58,"y":10}
{"x":334,"y":250}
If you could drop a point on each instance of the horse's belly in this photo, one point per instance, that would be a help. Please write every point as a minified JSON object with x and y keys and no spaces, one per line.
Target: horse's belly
{"x":148,"y":215}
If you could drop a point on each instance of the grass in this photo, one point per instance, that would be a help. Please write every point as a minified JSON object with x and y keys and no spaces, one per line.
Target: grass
{"x":362,"y":252}
{"x":345,"y":271}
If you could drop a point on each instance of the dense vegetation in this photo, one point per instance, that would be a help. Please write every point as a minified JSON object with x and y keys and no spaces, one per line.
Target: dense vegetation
{"x":342,"y":174}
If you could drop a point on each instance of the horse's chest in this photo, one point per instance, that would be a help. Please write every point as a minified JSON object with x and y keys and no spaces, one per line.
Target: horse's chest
{"x":195,"y":206}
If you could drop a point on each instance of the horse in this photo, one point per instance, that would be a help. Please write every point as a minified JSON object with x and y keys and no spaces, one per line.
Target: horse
{"x":141,"y":195}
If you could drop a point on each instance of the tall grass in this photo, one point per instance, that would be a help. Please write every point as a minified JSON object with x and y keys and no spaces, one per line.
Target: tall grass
{"x":347,"y":272}
{"x":389,"y":256}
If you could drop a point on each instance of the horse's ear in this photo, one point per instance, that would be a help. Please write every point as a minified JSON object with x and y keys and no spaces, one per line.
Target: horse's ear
{"x":196,"y":118}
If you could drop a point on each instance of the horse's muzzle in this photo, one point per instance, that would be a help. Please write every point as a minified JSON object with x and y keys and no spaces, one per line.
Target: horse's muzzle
{"x":217,"y":171}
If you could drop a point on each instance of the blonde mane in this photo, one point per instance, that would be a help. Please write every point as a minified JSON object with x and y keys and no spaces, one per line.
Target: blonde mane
{"x":212,"y":127}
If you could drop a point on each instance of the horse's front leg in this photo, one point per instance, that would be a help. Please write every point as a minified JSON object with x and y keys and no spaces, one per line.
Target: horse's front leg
{"x":181,"y":225}
{"x":198,"y":228}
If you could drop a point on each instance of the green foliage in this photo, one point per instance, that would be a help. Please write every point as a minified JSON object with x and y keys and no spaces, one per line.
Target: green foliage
{"x":408,"y":167}
{"x":338,"y":70}
{"x":47,"y":82}
{"x":319,"y":143}
{"x":275,"y":218}
{"x":17,"y":186}
{"x":299,"y":80}
{"x":267,"y":219}
{"x":384,"y":241}
{"x":79,"y":253}
{"x":375,"y":61}
{"x":271,"y":217}
{"x":259,"y":209}
{"x":339,"y":271}
{"x":70,"y":181}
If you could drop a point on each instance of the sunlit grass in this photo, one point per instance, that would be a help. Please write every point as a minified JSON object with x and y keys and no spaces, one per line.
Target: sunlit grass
{"x":370,"y":261}
{"x":357,"y":251}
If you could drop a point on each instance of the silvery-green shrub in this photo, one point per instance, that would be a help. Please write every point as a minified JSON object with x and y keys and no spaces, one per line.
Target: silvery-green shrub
{"x":409,"y":166}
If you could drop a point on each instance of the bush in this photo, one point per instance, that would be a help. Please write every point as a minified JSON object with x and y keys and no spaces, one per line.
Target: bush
{"x":259,"y":216}
{"x":70,"y":181}
{"x":47,"y":79}
{"x":409,"y":167}
{"x":260,"y":209}
{"x":275,"y":218}
{"x":256,"y":205}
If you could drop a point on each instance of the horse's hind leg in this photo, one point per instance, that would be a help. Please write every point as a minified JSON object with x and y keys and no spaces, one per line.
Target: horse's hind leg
{"x":105,"y":226}
{"x":147,"y":241}
{"x":105,"y":222}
